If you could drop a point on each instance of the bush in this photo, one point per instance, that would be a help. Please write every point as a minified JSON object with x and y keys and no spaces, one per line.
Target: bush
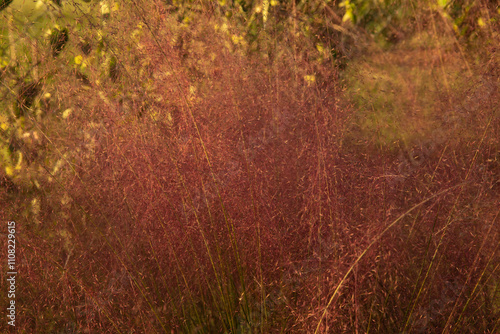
{"x":193,"y":166}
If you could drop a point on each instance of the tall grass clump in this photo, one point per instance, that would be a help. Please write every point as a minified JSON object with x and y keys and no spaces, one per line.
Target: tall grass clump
{"x":248,"y":166}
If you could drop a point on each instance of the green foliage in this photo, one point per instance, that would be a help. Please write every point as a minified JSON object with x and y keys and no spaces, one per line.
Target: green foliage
{"x":389,"y":21}
{"x":58,"y":39}
{"x":31,"y":94}
{"x":26,"y":95}
{"x":256,"y":27}
{"x":386,"y":21}
{"x":471,"y":19}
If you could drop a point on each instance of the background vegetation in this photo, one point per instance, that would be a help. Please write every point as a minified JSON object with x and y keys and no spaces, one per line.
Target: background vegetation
{"x":252,"y":166}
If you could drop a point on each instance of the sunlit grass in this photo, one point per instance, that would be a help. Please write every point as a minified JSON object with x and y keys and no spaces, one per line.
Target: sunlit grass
{"x":205,"y":184}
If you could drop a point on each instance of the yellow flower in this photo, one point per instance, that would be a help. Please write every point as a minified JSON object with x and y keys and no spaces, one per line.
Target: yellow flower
{"x":9,"y":171}
{"x":310,"y":79}
{"x":78,"y":59}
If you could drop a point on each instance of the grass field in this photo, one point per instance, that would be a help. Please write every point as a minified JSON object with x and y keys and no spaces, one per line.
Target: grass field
{"x":251,"y":167}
